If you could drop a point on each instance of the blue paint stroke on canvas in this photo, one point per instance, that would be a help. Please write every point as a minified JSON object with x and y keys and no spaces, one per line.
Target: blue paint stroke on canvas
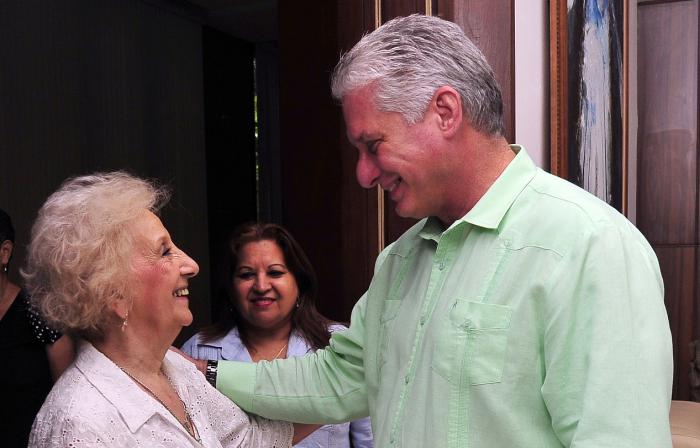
{"x":595,"y":96}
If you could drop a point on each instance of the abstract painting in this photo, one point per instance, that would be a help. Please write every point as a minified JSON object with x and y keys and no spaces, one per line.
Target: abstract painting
{"x":590,"y":73}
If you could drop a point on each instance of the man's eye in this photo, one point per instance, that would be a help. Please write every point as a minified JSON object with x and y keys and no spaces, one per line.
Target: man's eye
{"x":373,"y":146}
{"x":167,"y":252}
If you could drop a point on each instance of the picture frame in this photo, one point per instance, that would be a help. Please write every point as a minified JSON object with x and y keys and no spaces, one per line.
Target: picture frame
{"x":589,"y":96}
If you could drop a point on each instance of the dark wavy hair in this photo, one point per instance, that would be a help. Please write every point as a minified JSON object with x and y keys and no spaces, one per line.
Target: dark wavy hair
{"x":306,"y":319}
{"x":7,"y":232}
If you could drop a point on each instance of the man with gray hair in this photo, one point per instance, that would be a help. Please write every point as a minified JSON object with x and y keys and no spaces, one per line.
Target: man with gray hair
{"x":520,"y":311}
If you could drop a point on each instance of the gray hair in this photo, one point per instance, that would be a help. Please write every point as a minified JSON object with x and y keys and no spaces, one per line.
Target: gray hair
{"x":409,"y":58}
{"x":78,"y":260}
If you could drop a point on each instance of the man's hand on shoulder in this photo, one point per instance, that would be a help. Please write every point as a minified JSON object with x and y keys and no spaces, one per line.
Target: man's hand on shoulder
{"x":201,"y":364}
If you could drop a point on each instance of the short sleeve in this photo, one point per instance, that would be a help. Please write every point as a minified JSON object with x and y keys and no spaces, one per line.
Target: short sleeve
{"x":42,"y":332}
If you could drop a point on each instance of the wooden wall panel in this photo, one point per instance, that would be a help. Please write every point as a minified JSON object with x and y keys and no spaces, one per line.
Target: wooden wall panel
{"x":680,"y":273}
{"x":396,"y":8}
{"x":359,"y":213}
{"x":491,"y":25}
{"x":667,"y":186}
{"x":310,"y":148}
{"x":667,"y":76}
{"x":667,"y":171}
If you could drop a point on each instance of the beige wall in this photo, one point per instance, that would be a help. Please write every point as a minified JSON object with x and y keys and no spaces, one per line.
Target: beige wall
{"x":532,"y":79}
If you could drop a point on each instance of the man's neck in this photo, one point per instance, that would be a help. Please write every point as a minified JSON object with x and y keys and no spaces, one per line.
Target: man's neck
{"x":484,"y":160}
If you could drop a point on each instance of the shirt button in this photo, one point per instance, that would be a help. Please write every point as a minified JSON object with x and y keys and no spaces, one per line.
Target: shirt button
{"x":406,"y":380}
{"x":422,"y":320}
{"x":441,"y":266}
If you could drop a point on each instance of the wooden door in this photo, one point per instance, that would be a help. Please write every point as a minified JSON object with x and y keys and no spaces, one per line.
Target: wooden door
{"x":667,"y":193}
{"x":341,"y":225}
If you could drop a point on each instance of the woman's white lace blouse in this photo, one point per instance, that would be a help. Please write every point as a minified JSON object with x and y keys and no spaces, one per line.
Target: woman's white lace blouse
{"x":95,"y":404}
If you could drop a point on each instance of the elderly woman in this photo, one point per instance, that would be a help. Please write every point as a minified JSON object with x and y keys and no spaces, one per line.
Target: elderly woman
{"x":101,"y":267}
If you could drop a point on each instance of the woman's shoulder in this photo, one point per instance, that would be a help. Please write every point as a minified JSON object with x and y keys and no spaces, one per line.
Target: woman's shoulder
{"x":75,"y":409}
{"x":190,"y":345}
{"x":179,"y":366}
{"x":73,"y":397}
{"x":228,"y":346}
{"x":194,"y":344}
{"x":335,"y":326}
{"x":42,"y":332}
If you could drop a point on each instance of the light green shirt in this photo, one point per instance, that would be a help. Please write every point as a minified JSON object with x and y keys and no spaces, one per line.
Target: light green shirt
{"x":537,"y":320}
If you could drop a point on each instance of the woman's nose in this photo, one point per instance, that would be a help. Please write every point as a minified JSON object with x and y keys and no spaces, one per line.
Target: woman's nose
{"x":261,"y":283}
{"x":189,"y":268}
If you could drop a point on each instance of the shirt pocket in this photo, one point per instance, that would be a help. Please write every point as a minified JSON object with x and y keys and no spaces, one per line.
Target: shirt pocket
{"x":473,"y":343}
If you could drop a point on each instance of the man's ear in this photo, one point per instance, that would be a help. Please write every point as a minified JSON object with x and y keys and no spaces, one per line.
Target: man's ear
{"x":447,"y":104}
{"x":6,"y":252}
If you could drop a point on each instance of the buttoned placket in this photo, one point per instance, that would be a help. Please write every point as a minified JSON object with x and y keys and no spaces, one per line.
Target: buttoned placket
{"x":443,"y":256}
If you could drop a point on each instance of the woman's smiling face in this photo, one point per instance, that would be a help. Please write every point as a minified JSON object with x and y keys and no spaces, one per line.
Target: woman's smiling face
{"x":161,"y":276}
{"x":266,"y":291}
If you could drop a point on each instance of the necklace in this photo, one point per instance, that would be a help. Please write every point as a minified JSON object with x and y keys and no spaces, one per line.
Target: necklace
{"x":281,"y":350}
{"x":278,"y":353}
{"x":188,"y":424}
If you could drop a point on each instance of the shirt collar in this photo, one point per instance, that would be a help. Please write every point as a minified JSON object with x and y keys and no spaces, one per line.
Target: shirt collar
{"x":493,"y":205}
{"x":233,"y":349}
{"x":117,"y":387}
{"x":297,"y":345}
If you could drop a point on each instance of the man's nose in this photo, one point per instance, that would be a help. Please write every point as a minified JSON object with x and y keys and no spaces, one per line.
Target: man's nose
{"x":367,"y":171}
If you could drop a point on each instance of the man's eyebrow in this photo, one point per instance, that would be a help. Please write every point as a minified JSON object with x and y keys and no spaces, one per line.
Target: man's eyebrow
{"x":362,"y":138}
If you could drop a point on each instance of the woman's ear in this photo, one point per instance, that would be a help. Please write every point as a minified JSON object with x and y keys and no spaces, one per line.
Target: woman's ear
{"x":447,"y":104}
{"x":120,"y":307}
{"x":6,"y":252}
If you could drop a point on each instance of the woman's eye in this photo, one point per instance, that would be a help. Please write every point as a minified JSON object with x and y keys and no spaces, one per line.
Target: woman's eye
{"x":245,"y":275}
{"x":276,"y":274}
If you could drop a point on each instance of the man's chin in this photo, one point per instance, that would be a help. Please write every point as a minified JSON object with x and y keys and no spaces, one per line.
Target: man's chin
{"x":405,"y":211}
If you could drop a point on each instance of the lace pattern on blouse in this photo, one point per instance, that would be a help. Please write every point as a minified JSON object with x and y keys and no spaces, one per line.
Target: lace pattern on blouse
{"x":96,"y":404}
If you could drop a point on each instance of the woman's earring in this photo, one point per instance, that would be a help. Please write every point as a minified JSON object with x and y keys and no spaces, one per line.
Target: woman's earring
{"x":297,"y":302}
{"x":125,"y":323}
{"x":4,"y":268}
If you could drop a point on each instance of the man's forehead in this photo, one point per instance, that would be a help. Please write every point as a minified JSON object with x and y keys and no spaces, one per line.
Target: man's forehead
{"x":360,"y":117}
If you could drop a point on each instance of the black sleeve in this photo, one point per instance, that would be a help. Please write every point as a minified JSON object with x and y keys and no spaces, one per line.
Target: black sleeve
{"x":42,"y":332}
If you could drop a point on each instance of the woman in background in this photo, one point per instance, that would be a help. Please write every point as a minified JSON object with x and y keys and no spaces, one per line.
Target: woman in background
{"x":269,"y":312}
{"x":34,"y":355}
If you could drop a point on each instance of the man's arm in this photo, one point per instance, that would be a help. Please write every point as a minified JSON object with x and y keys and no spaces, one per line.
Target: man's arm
{"x":607,"y":343}
{"x":322,"y":387}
